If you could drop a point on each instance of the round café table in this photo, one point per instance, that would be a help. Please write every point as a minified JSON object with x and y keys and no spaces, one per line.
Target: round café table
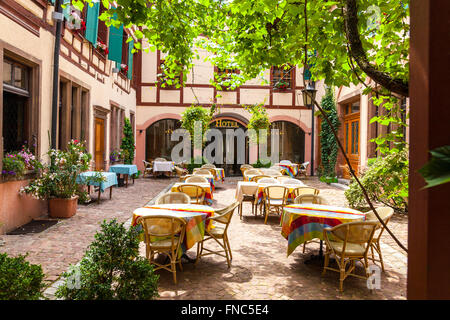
{"x":303,"y":222}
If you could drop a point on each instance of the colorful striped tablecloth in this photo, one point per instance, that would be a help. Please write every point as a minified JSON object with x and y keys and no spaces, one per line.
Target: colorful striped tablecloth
{"x":304,"y":222}
{"x":290,"y":169}
{"x":206,"y":186}
{"x":194,"y":215}
{"x":290,"y":187}
{"x":220,"y":174}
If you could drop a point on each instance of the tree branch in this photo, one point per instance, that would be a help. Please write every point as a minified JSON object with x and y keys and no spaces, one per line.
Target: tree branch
{"x":398,"y":86}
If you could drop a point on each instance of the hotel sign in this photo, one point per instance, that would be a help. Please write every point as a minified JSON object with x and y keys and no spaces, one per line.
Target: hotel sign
{"x":226,"y":124}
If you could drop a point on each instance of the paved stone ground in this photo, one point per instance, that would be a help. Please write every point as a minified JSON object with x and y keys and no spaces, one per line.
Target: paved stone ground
{"x":260,"y":268}
{"x":65,"y":243}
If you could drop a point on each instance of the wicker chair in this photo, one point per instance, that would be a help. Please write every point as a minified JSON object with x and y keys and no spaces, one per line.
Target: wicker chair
{"x":219,"y":232}
{"x":277,"y":168}
{"x":274,"y":200}
{"x":310,"y":198}
{"x":257,"y":178}
{"x":180,"y":171}
{"x":385,"y":214}
{"x":148,"y":168}
{"x":202,"y":172}
{"x":282,"y":178}
{"x":183,"y":178}
{"x":208,"y":166}
{"x":195,"y":192}
{"x":160,"y":159}
{"x":271,"y":172}
{"x":291,"y":181}
{"x":193,"y":179}
{"x":252,"y":171}
{"x":302,"y":169}
{"x":305,"y":190}
{"x":349,"y":243}
{"x":213,"y":172}
{"x":268,"y":180}
{"x":245,"y":167}
{"x":173,"y":197}
{"x":163,"y":234}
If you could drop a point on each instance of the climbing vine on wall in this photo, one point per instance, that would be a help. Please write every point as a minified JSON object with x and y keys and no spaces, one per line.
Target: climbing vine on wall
{"x":329,"y":147}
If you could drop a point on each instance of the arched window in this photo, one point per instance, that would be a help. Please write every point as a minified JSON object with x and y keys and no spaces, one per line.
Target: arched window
{"x":157,"y":139}
{"x":291,"y":141}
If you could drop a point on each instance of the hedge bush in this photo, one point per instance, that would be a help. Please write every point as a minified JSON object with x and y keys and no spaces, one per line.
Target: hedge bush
{"x":20,"y":280}
{"x":111,"y":269}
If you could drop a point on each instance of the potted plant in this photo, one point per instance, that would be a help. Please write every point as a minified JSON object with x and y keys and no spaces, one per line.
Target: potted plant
{"x":57,"y":180}
{"x":282,"y":85}
{"x":13,"y":166}
{"x":102,"y":47}
{"x":116,"y":156}
{"x":75,"y":22}
{"x":124,"y":68}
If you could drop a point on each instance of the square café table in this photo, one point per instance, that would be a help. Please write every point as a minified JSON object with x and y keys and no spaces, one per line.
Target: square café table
{"x":128,"y":170}
{"x":110,"y":177}
{"x":194,"y":215}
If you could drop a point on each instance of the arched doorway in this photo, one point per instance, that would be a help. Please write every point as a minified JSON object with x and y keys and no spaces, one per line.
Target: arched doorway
{"x":224,"y":123}
{"x":157,"y":139}
{"x":291,"y":141}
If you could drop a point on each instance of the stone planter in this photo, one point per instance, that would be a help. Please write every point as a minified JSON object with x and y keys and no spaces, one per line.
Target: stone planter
{"x":62,"y":208}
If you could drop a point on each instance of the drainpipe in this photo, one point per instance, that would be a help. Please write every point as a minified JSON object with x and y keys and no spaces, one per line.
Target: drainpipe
{"x":57,"y":15}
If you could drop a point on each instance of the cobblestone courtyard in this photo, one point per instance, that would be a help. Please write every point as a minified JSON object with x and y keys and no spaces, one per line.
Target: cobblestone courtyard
{"x":260,"y":268}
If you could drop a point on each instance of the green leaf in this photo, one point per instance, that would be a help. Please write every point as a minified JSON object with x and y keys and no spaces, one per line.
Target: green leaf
{"x":437,"y":170}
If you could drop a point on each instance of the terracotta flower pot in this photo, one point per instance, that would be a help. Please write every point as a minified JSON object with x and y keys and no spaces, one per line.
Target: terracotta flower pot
{"x":62,"y":208}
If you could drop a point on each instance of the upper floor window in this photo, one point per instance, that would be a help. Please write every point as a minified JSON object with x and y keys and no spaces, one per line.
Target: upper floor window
{"x":224,"y":78}
{"x":282,"y":78}
{"x":165,"y":81}
{"x":351,"y":108}
{"x":124,"y":61}
{"x":102,"y":34}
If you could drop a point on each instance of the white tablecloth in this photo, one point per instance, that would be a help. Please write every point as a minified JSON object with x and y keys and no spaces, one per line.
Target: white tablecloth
{"x":166,"y":166}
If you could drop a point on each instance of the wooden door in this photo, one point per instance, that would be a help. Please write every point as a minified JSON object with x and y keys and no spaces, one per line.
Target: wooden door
{"x":351,"y":138}
{"x":99,"y":154}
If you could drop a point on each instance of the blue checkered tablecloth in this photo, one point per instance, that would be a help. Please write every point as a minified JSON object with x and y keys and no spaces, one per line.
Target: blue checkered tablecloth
{"x":128,"y":169}
{"x":111,"y":179}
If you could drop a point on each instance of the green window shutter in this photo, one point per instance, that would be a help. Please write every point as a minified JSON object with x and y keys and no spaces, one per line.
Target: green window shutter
{"x":115,"y":42}
{"x":130,"y":59}
{"x":92,"y":23}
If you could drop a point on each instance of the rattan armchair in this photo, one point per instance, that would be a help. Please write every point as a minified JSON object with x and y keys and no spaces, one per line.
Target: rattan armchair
{"x":198,"y":179}
{"x":202,"y":172}
{"x":274,"y":200}
{"x":349,"y":243}
{"x":291,"y":181}
{"x":309,"y":198}
{"x":268,"y":180}
{"x":148,"y":168}
{"x":245,"y":167}
{"x":195,"y":192}
{"x":208,"y":166}
{"x":302,"y":169}
{"x":221,"y":220}
{"x":160,"y":159}
{"x":163,"y":234}
{"x":385,"y":214}
{"x":257,"y":178}
{"x":173,"y":197}
{"x":305,"y":190}
{"x":180,"y":172}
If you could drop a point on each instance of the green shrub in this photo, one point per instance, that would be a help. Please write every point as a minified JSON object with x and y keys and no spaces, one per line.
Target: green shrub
{"x":111,"y":269}
{"x":386,"y":181}
{"x":20,"y":280}
{"x":259,"y":164}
